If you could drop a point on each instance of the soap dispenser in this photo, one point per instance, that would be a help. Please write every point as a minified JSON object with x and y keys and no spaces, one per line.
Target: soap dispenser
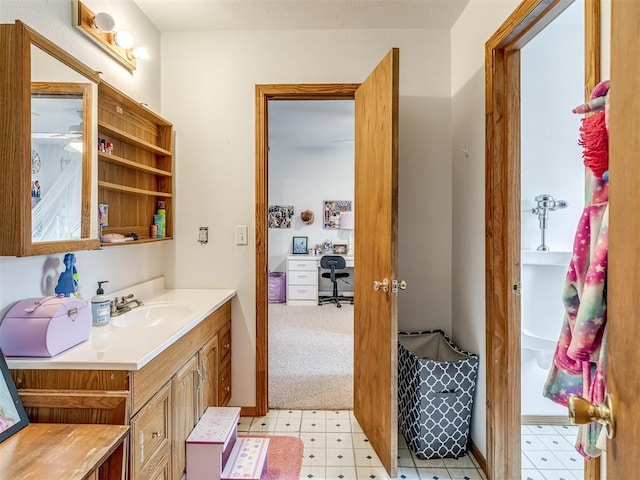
{"x":100,"y":307}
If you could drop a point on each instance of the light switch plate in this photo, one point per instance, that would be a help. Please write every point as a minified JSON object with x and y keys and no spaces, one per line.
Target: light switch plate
{"x":241,"y":235}
{"x":203,"y":235}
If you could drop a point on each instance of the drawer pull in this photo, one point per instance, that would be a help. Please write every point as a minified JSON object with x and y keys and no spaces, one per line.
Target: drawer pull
{"x":156,"y":434}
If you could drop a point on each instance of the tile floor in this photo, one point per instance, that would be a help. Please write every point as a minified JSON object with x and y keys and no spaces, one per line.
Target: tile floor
{"x":336,"y":448}
{"x":548,"y":453}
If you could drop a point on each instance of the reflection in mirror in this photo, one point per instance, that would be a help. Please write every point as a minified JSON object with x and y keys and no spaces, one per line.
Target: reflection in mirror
{"x":57,"y":123}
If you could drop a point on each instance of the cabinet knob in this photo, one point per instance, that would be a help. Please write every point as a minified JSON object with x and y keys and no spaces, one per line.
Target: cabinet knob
{"x":156,"y":434}
{"x":227,"y":346}
{"x":227,"y":388}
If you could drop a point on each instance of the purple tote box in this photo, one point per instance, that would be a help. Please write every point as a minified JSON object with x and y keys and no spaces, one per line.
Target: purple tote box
{"x":44,"y":327}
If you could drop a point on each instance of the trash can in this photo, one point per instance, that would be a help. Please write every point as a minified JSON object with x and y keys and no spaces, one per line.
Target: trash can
{"x":277,"y":287}
{"x":436,"y":384}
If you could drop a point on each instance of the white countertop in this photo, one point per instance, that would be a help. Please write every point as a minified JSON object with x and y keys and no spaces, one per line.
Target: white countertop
{"x":131,"y":348}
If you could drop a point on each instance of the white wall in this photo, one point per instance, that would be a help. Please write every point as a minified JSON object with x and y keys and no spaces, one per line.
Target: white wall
{"x":477,"y":23}
{"x":36,"y":276}
{"x":208,"y":83}
{"x":552,"y":83}
{"x":304,"y":180}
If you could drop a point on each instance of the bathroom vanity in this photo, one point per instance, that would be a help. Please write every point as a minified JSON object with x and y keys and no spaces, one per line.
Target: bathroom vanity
{"x":167,"y":360}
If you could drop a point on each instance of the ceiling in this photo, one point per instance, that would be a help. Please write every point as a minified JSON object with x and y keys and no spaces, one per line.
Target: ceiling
{"x":189,"y":15}
{"x":308,"y":125}
{"x":311,"y":125}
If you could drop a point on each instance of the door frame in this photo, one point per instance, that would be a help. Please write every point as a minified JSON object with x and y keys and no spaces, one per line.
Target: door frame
{"x":264,"y":93}
{"x":502,"y":220}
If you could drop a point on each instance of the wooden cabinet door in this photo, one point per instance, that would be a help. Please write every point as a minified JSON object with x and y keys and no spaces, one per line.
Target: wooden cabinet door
{"x":185,"y":414}
{"x":151,"y":434}
{"x":208,"y":357}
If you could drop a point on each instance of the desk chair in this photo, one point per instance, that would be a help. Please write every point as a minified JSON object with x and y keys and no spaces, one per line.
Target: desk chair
{"x":333,"y":263}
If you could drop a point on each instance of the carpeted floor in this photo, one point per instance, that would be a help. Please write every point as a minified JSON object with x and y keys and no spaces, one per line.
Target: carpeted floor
{"x":311,"y":357}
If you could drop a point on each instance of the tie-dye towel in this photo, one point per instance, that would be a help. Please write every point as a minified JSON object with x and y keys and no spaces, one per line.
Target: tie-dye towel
{"x":579,"y":360}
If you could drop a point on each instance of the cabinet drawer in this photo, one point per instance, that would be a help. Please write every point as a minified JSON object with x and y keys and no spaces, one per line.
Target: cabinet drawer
{"x":224,"y":382}
{"x":224,"y":342}
{"x":302,"y":265}
{"x":300,"y":292}
{"x":302,"y":277}
{"x":163,"y":472}
{"x":151,"y":434}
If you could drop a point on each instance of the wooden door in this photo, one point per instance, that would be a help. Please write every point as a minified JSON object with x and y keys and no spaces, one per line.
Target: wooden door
{"x":376,"y":208}
{"x":623,"y":317}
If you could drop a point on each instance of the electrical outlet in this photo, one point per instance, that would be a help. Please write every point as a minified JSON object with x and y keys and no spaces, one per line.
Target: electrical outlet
{"x":203,"y":235}
{"x":241,"y":235}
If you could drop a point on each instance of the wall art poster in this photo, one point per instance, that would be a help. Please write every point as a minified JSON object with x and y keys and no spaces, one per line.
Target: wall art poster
{"x":332,"y":210}
{"x":280,"y":216}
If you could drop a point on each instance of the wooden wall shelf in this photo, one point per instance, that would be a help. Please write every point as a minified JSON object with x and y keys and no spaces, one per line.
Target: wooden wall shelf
{"x":138,"y":191}
{"x":137,"y":173}
{"x":131,"y":139}
{"x":114,"y":159}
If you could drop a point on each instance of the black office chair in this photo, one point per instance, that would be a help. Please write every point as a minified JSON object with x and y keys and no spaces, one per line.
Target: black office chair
{"x":333,"y":263}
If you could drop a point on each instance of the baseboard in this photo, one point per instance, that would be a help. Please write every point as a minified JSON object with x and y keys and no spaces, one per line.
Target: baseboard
{"x":248,"y":412}
{"x":544,"y":420}
{"x":477,"y":454}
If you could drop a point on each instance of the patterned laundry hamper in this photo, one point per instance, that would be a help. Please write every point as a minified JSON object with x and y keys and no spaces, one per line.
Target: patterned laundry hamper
{"x":436,"y":383}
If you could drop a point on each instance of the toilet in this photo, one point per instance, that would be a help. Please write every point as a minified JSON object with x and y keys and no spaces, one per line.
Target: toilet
{"x":542,"y":310}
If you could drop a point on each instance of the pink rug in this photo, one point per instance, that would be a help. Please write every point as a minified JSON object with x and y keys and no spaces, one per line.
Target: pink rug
{"x":284,"y":457}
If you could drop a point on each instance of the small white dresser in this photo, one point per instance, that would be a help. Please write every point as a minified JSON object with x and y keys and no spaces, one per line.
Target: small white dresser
{"x":302,"y":280}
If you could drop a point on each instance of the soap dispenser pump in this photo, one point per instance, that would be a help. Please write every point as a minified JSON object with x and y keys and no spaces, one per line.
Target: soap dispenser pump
{"x":100,"y":307}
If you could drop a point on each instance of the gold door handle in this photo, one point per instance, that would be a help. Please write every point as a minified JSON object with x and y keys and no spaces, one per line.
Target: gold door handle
{"x":383,"y":285}
{"x":582,"y":411}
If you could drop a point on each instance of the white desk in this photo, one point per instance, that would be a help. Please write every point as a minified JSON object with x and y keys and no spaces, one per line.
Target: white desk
{"x":303,"y":285}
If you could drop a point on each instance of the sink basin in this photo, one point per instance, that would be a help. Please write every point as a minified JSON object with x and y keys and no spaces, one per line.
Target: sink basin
{"x":152,"y":315}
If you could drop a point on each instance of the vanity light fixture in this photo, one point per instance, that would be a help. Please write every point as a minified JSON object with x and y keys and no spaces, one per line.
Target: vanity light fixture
{"x":100,"y":27}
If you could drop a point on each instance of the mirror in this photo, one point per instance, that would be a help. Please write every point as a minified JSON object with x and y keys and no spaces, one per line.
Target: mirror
{"x":61,"y":149}
{"x":58,"y":144}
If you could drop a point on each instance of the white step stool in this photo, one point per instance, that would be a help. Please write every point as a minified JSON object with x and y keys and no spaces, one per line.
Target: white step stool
{"x":214,"y":454}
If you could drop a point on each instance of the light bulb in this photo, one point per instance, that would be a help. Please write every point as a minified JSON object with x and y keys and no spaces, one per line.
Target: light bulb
{"x":123,"y":39}
{"x":140,"y":52}
{"x":105,"y":22}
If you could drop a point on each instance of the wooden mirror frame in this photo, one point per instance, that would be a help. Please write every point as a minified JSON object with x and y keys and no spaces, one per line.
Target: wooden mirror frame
{"x":15,"y":144}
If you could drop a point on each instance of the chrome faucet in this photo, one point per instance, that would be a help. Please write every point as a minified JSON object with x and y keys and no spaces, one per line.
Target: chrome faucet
{"x":120,"y":305}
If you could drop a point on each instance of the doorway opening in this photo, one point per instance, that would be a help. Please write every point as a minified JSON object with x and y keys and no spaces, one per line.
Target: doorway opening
{"x":265,"y":94}
{"x":503,"y":169}
{"x":310,"y":198}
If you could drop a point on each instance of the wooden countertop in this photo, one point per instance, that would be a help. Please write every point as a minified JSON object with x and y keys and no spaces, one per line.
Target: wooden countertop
{"x":58,"y":451}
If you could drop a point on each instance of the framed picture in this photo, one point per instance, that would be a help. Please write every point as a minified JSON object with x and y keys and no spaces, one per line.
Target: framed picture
{"x":300,"y":245}
{"x":12,"y":414}
{"x":280,"y":216}
{"x":331,"y":210}
{"x":340,"y":248}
